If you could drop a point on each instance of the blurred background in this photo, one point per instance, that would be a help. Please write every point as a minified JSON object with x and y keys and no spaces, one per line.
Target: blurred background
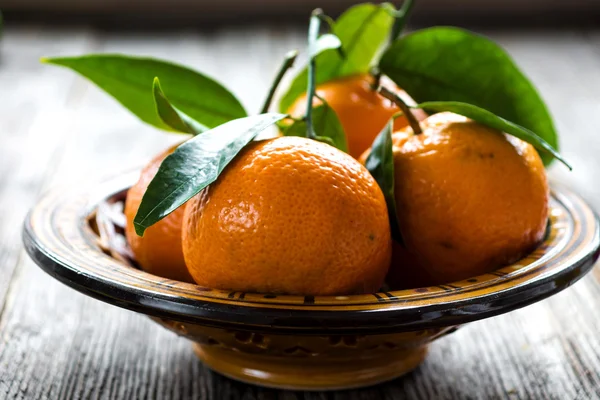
{"x":241,"y":43}
{"x":200,"y":13}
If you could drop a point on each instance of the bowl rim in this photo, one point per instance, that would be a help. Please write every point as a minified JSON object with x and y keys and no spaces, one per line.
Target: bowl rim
{"x":59,"y":239}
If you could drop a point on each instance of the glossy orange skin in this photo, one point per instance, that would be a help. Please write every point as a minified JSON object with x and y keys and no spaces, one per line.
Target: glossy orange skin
{"x":289,"y":215}
{"x":470,"y":199}
{"x":159,"y":251}
{"x":362,"y":111}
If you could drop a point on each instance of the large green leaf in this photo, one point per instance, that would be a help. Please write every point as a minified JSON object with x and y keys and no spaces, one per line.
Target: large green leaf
{"x":451,"y":64}
{"x":488,"y":118}
{"x":380,"y":164}
{"x":196,"y":164}
{"x":129,"y":80}
{"x":175,"y":119}
{"x":327,"y":127}
{"x":363,"y":30}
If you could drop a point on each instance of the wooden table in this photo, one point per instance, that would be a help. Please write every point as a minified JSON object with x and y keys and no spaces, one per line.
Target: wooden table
{"x":55,"y":128}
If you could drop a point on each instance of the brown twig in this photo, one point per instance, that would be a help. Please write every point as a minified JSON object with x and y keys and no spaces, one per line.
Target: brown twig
{"x":412,"y":120}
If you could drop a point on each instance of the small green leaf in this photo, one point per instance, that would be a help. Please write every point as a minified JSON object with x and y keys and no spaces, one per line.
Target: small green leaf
{"x":196,"y":164}
{"x":296,"y":128}
{"x":327,"y":41}
{"x":128,"y":79}
{"x":175,"y":119}
{"x":326,"y":124}
{"x":490,"y":119}
{"x":363,"y":30}
{"x":380,"y":164}
{"x":451,"y":64}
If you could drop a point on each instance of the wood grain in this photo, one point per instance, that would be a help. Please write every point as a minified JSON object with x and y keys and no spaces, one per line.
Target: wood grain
{"x":57,"y":129}
{"x":34,"y":98}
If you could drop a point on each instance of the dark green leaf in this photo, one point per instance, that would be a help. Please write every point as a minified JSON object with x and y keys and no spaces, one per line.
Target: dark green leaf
{"x":296,"y":128}
{"x":380,"y":164}
{"x":327,"y":41}
{"x":175,"y":119}
{"x":363,"y":30}
{"x":129,"y":79}
{"x":490,"y":119}
{"x":327,"y":126}
{"x":451,"y":64}
{"x":196,"y":164}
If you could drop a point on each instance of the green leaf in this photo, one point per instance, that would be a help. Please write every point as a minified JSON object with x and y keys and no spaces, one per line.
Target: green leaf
{"x":380,"y":164}
{"x":363,"y":30}
{"x":178,"y":121}
{"x":326,"y":124}
{"x":129,"y":79}
{"x":196,"y":164}
{"x":327,"y":41}
{"x":451,"y":64}
{"x":297,"y":128}
{"x":488,"y":118}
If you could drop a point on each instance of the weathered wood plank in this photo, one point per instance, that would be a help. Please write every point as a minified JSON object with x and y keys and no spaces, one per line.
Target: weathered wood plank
{"x":56,"y":343}
{"x":33,"y":98}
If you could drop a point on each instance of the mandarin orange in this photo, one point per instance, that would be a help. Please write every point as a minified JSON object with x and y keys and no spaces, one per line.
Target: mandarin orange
{"x":289,"y":215}
{"x":361,"y":110}
{"x":469,"y":199}
{"x":159,"y":251}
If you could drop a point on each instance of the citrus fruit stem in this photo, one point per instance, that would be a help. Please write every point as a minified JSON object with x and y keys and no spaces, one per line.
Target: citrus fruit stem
{"x":313,"y":34}
{"x":414,"y":123}
{"x":400,"y":19}
{"x":288,"y":63}
{"x":376,"y":74}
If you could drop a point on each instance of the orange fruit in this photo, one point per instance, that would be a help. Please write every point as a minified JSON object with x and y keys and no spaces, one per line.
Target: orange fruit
{"x":159,"y":251}
{"x":469,"y":198}
{"x":361,"y":110}
{"x":289,"y":215}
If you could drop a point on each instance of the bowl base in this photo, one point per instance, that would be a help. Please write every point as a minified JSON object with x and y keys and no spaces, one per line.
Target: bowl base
{"x":310,"y":373}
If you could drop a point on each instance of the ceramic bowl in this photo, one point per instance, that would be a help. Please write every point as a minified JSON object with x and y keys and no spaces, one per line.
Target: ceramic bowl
{"x":297,"y":342}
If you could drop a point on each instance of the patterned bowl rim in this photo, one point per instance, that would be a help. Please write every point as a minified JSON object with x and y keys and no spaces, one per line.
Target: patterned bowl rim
{"x":58,"y":236}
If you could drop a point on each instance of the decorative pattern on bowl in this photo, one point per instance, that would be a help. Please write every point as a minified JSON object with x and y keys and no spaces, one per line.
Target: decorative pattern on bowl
{"x":299,"y":342}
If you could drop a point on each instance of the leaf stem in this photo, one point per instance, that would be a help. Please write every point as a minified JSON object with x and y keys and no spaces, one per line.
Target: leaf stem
{"x":288,"y":62}
{"x":414,"y":124}
{"x":327,"y":19}
{"x":313,"y":34}
{"x":400,"y":19}
{"x":376,"y":74}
